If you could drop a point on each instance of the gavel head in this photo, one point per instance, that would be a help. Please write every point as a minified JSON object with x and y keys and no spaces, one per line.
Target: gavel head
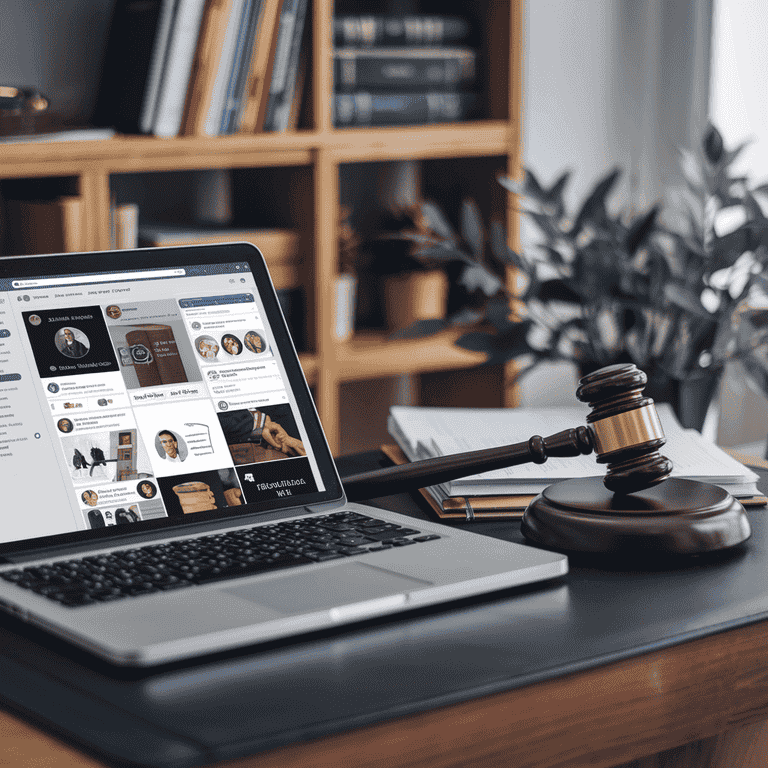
{"x":625,"y":427}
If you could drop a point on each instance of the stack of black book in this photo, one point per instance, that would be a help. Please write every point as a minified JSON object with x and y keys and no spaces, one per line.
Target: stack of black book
{"x":403,"y":70}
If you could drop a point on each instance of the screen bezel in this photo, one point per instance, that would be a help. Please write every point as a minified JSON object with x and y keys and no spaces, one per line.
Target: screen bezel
{"x":129,"y":260}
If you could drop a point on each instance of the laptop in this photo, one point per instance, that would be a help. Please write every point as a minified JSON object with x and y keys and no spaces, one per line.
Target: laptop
{"x":168,"y":488}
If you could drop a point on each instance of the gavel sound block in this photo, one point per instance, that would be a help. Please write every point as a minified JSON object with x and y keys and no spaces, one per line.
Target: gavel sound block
{"x":636,"y":509}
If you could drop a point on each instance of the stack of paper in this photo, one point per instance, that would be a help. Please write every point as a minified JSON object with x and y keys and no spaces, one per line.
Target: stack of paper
{"x":425,"y":432}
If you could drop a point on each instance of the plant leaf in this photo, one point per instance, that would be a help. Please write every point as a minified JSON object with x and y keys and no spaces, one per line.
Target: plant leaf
{"x":436,"y":220}
{"x":532,"y":187}
{"x":593,"y":209}
{"x":477,"y":276}
{"x":640,"y":229}
{"x":501,"y":250}
{"x":472,"y":227}
{"x":713,"y":145}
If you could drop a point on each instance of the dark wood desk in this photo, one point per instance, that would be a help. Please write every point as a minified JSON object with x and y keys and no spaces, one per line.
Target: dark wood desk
{"x":653,"y":670}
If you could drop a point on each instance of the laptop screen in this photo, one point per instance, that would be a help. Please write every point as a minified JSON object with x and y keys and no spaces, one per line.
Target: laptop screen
{"x":163,"y":391}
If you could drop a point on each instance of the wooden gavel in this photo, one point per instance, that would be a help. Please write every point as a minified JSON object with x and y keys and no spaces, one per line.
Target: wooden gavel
{"x":623,"y":429}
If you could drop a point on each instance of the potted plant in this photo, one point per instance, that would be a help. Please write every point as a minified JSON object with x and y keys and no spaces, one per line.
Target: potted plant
{"x":678,"y":290}
{"x":415,"y":287}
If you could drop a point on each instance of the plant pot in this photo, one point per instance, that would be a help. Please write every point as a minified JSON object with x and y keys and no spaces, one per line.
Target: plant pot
{"x":415,"y":296}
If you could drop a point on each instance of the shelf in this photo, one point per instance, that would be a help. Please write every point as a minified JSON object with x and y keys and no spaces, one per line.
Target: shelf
{"x":123,"y":154}
{"x":374,"y":355}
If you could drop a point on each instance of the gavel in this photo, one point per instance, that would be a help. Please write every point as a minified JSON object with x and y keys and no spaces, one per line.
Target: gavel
{"x":623,"y":429}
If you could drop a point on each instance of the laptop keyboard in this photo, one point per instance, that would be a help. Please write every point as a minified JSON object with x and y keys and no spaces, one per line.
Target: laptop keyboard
{"x":207,"y":559}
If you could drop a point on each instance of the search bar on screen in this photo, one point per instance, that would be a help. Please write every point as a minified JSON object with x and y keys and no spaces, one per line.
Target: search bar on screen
{"x":46,"y":282}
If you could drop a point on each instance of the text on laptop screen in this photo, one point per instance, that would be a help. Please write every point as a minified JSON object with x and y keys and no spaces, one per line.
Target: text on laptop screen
{"x":143,"y":395}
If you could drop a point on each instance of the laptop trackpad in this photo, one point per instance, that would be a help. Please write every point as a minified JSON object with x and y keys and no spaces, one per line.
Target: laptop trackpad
{"x":327,"y":588}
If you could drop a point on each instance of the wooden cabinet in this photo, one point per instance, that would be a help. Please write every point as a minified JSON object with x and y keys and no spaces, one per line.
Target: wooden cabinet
{"x":455,"y":160}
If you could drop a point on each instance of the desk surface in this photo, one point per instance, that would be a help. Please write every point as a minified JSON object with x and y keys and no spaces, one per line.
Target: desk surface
{"x":596,"y":668}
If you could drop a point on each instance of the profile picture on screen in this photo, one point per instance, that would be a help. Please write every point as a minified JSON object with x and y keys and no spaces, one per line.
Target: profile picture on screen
{"x":72,"y":343}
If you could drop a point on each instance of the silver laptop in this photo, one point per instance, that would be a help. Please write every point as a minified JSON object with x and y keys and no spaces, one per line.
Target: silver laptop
{"x":168,"y":488}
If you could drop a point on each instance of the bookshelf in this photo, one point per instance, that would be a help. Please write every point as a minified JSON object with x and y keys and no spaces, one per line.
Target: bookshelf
{"x":455,"y":160}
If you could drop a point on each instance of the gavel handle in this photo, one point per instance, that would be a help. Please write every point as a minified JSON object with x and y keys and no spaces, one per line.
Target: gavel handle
{"x":418,"y":474}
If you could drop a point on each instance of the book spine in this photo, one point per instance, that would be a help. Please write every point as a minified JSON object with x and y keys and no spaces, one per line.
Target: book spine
{"x":398,"y":30}
{"x":178,"y":67}
{"x":283,"y":106}
{"x":257,"y":87}
{"x":292,"y":9}
{"x":243,"y":43}
{"x":403,"y":69}
{"x":157,"y":64}
{"x":380,"y":109}
{"x":226,"y":56}
{"x":125,"y":71}
{"x":205,"y":66}
{"x":146,"y":368}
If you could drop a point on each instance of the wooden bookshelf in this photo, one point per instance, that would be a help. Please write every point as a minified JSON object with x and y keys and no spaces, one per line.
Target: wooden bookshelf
{"x":460,"y":159}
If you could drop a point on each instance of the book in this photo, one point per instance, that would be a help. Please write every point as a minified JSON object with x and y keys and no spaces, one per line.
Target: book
{"x":285,"y":115}
{"x":394,"y":29}
{"x":157,"y":64}
{"x":205,"y":66}
{"x":225,"y":60}
{"x":280,"y":247}
{"x":124,"y":220}
{"x":382,"y":109}
{"x":425,"y":432}
{"x":132,"y":62}
{"x":169,"y":110}
{"x":45,"y":226}
{"x":240,"y":64}
{"x":403,"y":69}
{"x":163,"y":363}
{"x":254,"y":108}
{"x":288,"y":43}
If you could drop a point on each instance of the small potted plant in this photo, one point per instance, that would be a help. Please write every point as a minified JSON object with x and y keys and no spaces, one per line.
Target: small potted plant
{"x":415,"y":287}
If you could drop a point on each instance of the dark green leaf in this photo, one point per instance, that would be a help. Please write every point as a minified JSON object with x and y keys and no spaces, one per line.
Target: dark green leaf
{"x":466,"y":316}
{"x":713,"y":145}
{"x":497,"y":312}
{"x":684,"y":298}
{"x":557,"y":290}
{"x":555,"y":192}
{"x":476,"y":277}
{"x":472,"y":227}
{"x":594,"y":208}
{"x":501,"y":250}
{"x":436,"y":220}
{"x":420,"y":329}
{"x":546,"y":225}
{"x":532,"y":186}
{"x":513,"y":186}
{"x":640,"y":229}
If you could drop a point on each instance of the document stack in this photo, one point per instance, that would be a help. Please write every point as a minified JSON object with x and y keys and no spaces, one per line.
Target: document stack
{"x":422,"y":433}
